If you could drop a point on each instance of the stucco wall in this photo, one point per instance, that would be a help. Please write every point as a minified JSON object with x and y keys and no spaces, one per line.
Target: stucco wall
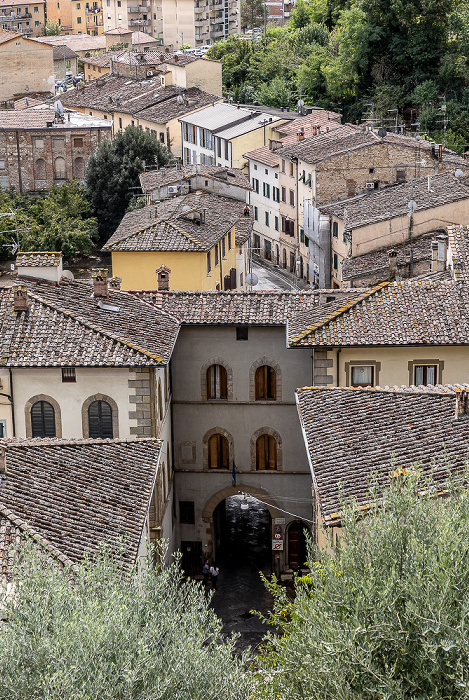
{"x":25,"y":66}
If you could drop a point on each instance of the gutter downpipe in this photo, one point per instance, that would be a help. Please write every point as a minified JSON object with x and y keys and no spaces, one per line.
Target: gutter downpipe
{"x":13,"y":425}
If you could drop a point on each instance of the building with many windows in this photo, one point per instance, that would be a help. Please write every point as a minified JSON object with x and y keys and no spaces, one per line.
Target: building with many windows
{"x":26,"y":18}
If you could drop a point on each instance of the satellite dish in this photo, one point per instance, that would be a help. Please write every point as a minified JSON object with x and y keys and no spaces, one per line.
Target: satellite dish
{"x":252,"y":279}
{"x":59,"y":107}
{"x":68,"y":275}
{"x":411,"y":206}
{"x":180,"y":99}
{"x":382,"y":132}
{"x":418,"y":138}
{"x":185,"y":208}
{"x":459,"y":173}
{"x":301,"y":103}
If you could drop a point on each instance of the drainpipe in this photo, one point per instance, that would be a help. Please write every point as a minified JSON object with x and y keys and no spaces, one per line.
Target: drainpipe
{"x":338,"y":368}
{"x":12,"y":404}
{"x":20,"y":177}
{"x":312,"y":367}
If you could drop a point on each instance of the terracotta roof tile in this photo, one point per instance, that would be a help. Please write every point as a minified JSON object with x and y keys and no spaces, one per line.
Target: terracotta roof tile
{"x":65,"y":325}
{"x":75,"y":494}
{"x":153,"y":179}
{"x":38,"y":259}
{"x":411,"y":312}
{"x":459,"y":248}
{"x":169,"y":225}
{"x":355,"y":435}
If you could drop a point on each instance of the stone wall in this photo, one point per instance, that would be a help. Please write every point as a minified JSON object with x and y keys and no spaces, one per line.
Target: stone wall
{"x":143,"y":399}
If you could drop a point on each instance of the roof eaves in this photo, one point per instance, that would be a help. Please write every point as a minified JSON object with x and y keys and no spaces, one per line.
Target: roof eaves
{"x":333,"y":316}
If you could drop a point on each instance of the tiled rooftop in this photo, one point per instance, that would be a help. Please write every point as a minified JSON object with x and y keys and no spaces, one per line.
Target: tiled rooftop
{"x":458,"y":237}
{"x":71,"y":495}
{"x":355,"y":434}
{"x":65,"y":325}
{"x":168,"y":225}
{"x":40,"y":116}
{"x":247,"y":308}
{"x":155,"y":57}
{"x":378,"y":260}
{"x":63,"y":52}
{"x":38,"y":259}
{"x":393,"y":200}
{"x":7,"y":36}
{"x":153,"y":179}
{"x":86,"y":42}
{"x":410,"y":312}
{"x":113,"y":93}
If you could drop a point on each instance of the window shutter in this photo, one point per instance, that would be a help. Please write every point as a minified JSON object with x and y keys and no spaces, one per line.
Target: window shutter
{"x":43,"y":419}
{"x":272,"y":452}
{"x":260,"y":452}
{"x":100,"y":420}
{"x":233,"y":278}
{"x":225,"y":458}
{"x":271,"y":383}
{"x":259,"y":383}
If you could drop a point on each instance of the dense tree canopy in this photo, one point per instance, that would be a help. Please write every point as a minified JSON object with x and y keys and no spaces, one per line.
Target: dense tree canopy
{"x":387,"y":615}
{"x":98,"y":634}
{"x":59,"y":219}
{"x":348,"y":55}
{"x":112,"y":172}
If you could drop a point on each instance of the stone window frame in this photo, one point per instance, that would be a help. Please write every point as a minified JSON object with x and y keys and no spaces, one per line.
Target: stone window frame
{"x":215,"y":431}
{"x":84,"y":414}
{"x":267,"y":431}
{"x":57,"y":414}
{"x":252,"y":379}
{"x":362,"y":363}
{"x":203,"y":379}
{"x":440,"y":364}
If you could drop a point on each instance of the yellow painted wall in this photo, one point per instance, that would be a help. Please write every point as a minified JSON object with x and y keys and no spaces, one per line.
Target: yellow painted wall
{"x":206,"y":75}
{"x":60,"y":11}
{"x":394,"y":362}
{"x":250,"y":141}
{"x":188,"y":270}
{"x":92,"y":72}
{"x":29,"y":66}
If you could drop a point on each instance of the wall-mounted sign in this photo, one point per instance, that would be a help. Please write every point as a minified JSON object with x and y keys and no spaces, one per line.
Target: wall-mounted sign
{"x":277,"y":545}
{"x":279,"y":521}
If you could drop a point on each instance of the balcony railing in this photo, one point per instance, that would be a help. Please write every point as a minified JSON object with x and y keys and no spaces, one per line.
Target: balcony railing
{"x":139,"y":22}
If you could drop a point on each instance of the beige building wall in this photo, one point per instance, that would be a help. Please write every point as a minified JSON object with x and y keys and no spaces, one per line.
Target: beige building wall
{"x":392,"y":366}
{"x":26,"y":18}
{"x":6,"y":422}
{"x":60,"y":11}
{"x":178,"y":23}
{"x":29,"y":66}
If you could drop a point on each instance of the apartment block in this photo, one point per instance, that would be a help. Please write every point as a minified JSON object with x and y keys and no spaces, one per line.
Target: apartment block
{"x":23,"y":17}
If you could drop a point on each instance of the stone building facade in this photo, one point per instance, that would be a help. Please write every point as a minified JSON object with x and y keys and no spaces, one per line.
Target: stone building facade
{"x":37,"y":150}
{"x":26,"y":66}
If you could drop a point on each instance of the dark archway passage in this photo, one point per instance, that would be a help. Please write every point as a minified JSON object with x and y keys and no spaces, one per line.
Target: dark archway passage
{"x":243,"y":535}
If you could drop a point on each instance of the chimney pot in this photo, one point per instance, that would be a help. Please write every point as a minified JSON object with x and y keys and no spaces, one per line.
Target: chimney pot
{"x":392,"y":257}
{"x":100,"y":283}
{"x":20,"y":298}
{"x":115,"y":282}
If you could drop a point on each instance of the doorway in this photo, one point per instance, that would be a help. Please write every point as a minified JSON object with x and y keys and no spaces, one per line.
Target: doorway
{"x":191,"y":561}
{"x":297,"y":550}
{"x":242,"y":528}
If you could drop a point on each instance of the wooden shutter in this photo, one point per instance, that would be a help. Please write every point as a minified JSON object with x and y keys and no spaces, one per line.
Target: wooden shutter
{"x":271,"y":383}
{"x":265,"y":380}
{"x":213,"y":452}
{"x":224,"y":453}
{"x":100,"y":420}
{"x":42,"y":419}
{"x":271,"y":452}
{"x":218,"y":452}
{"x":260,"y":452}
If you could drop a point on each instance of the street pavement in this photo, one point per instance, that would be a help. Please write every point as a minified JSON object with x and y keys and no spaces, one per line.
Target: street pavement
{"x":269,"y":279}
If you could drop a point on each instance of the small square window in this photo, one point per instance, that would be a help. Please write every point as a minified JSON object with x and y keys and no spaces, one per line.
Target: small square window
{"x":371,"y":171}
{"x":68,"y":374}
{"x":78,"y":142}
{"x":363,"y":375}
{"x":3,"y":428}
{"x":186,"y":512}
{"x":242,"y":332}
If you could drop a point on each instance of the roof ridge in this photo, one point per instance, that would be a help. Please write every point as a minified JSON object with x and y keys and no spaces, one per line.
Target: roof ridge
{"x":95,"y":329}
{"x":47,"y":442}
{"x":410,"y":390}
{"x":36,"y":536}
{"x":335,"y":314}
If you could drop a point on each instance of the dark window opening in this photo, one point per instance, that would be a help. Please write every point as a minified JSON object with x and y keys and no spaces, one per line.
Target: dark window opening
{"x":242,"y":332}
{"x":187,"y":512}
{"x":217,"y":385}
{"x":42,"y":420}
{"x":100,"y":420}
{"x":69,"y":374}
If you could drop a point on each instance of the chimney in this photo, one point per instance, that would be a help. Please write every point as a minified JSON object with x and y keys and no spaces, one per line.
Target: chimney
{"x":462,"y":402}
{"x":20,"y":298}
{"x":3,"y":459}
{"x":100,"y":283}
{"x":247,"y":210}
{"x":319,"y":129}
{"x":300,"y":135}
{"x":442,"y":240}
{"x":392,"y":263}
{"x":315,"y":130}
{"x":163,"y":273}
{"x":115,"y":282}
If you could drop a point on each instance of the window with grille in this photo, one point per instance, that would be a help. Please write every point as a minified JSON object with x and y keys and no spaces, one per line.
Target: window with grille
{"x":266,"y":383}
{"x":100,"y":420}
{"x":218,"y":452}
{"x":363,"y":376}
{"x":266,"y":452}
{"x":42,"y":419}
{"x":217,"y":386}
{"x":69,"y":374}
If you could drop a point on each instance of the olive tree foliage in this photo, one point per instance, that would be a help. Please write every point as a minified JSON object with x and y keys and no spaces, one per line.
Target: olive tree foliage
{"x":95,"y":633}
{"x":387,"y":616}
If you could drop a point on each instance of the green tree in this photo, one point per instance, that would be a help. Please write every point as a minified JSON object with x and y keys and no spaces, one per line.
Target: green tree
{"x":276,"y":93}
{"x":112,"y":173}
{"x":99,"y":634}
{"x":252,"y":13}
{"x":51,"y":28}
{"x":300,"y":15}
{"x":59,"y":219}
{"x":387,"y":615}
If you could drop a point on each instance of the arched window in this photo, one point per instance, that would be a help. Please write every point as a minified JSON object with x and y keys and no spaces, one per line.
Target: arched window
{"x":59,"y":169}
{"x":42,"y":420}
{"x":266,"y":452}
{"x":100,"y":420}
{"x":218,"y":452}
{"x":40,"y":169}
{"x":79,"y":168}
{"x":266,"y":383}
{"x":217,"y":384}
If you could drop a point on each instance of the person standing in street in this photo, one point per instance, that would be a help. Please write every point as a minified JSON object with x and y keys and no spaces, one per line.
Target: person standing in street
{"x":206,"y":572}
{"x":214,"y":571}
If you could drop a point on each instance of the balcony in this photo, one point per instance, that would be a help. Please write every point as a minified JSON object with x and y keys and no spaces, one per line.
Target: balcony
{"x":139,"y":22}
{"x":93,"y":11}
{"x":133,"y":10}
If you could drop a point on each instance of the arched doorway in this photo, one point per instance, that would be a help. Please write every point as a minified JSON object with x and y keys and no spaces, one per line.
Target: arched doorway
{"x":242,"y":528}
{"x":297,"y":551}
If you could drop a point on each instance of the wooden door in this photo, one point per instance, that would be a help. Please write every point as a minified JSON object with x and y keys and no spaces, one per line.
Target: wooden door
{"x":191,"y":558}
{"x":293,"y":548}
